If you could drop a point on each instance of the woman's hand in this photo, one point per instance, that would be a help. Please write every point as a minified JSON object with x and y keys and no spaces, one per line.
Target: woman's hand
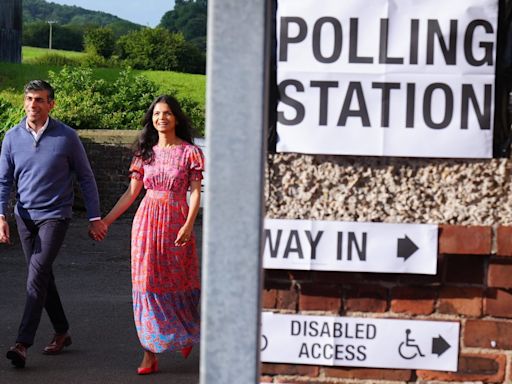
{"x":184,"y":236}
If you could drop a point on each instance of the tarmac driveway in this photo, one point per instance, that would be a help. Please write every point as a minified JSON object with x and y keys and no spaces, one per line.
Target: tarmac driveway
{"x":94,"y":282}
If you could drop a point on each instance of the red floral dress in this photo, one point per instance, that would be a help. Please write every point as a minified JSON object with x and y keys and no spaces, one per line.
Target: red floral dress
{"x":165,"y":278}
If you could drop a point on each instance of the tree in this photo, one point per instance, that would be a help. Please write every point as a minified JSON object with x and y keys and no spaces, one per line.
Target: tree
{"x":188,"y":17}
{"x":150,"y":49}
{"x":36,"y":34}
{"x":100,"y":41}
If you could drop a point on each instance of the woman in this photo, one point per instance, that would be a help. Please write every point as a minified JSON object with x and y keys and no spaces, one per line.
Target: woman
{"x":165,"y":272}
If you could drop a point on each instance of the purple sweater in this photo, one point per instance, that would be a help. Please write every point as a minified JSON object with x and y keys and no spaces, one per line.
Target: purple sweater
{"x":44,"y":172}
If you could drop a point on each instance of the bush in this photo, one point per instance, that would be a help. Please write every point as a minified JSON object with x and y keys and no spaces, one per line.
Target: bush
{"x":83,"y":102}
{"x":100,"y":41}
{"x":87,"y":103}
{"x":10,"y":115}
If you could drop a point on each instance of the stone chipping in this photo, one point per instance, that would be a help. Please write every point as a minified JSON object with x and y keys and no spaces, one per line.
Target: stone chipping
{"x":394,"y":190}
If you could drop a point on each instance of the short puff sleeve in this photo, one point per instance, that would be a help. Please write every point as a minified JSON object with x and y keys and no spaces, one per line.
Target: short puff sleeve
{"x":196,"y":164}
{"x":136,"y":168}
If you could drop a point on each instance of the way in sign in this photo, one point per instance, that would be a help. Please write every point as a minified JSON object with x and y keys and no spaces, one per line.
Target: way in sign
{"x":349,"y":246}
{"x":302,"y":244}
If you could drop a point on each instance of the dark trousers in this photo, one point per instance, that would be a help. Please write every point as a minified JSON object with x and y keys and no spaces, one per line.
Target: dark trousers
{"x":41,"y":241}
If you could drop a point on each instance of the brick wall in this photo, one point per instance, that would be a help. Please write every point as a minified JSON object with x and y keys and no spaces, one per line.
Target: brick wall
{"x":110,"y":154}
{"x":473,"y":285}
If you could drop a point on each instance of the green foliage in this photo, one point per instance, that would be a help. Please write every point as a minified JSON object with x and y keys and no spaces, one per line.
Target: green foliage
{"x":150,"y":49}
{"x":37,"y":34}
{"x":188,"y":17}
{"x":100,"y":97}
{"x":194,"y":111}
{"x":87,"y":103}
{"x":84,"y":102}
{"x":10,"y":115}
{"x":100,"y":41}
{"x":159,"y":49}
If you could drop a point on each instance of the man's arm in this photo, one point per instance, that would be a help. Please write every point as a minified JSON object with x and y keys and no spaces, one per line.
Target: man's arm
{"x":85,"y":177}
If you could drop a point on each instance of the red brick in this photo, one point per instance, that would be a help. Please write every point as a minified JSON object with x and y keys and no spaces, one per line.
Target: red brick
{"x":369,"y":373}
{"x":413,"y":300}
{"x":488,"y":334}
{"x":269,"y":298}
{"x":366,"y":298}
{"x":466,"y":301}
{"x":499,"y":274}
{"x":266,"y":379}
{"x":498,"y":303}
{"x":484,"y":368}
{"x":320,"y":297}
{"x":289,"y":369}
{"x":464,"y":269}
{"x":504,"y":240}
{"x":473,"y":240}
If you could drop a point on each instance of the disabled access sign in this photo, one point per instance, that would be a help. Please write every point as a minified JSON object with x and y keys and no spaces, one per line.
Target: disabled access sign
{"x":359,"y":342}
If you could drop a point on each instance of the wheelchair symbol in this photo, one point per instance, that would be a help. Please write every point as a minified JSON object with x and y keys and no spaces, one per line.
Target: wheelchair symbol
{"x":264,"y":342}
{"x":408,"y":349}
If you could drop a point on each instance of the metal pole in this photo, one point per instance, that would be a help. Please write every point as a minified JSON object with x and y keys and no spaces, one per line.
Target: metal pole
{"x":51,"y":32}
{"x":235,"y":143}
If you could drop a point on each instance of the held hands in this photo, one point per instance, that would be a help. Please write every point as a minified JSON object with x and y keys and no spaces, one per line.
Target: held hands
{"x":98,"y":230}
{"x":184,"y":236}
{"x":4,"y":231}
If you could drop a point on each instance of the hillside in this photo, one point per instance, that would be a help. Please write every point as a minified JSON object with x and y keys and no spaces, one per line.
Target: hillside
{"x":41,"y":10}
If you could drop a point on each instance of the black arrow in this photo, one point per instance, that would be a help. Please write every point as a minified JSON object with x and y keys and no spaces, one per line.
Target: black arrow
{"x":439,"y":345}
{"x":406,"y":248}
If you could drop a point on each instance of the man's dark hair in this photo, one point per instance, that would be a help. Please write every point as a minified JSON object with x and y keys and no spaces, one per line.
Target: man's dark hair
{"x":40,"y":85}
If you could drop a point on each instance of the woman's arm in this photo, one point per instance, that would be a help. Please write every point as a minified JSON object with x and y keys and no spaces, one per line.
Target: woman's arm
{"x":185,"y":232}
{"x":124,"y":202}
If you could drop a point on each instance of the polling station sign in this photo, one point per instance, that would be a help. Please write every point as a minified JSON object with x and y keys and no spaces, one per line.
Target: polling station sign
{"x":325,"y":245}
{"x":359,"y":342}
{"x":387,"y":77}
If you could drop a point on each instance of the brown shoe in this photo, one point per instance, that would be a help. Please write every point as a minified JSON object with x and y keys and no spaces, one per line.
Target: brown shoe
{"x":57,"y":344}
{"x":17,"y":355}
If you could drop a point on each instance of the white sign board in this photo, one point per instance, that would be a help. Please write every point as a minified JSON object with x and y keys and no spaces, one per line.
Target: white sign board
{"x":387,"y":78}
{"x":350,"y":246}
{"x":359,"y":342}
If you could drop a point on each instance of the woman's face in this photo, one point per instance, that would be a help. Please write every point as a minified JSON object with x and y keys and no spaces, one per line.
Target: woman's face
{"x":163,"y":118}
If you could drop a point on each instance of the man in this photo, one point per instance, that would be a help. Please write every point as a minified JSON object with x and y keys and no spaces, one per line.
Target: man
{"x":42,"y":155}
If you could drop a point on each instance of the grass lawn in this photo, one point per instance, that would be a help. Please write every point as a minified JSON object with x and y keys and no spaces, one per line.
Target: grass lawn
{"x":29,"y":53}
{"x":14,"y":76}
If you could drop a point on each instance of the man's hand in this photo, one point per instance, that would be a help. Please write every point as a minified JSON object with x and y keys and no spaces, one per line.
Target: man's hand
{"x":97,"y":230}
{"x":4,"y":231}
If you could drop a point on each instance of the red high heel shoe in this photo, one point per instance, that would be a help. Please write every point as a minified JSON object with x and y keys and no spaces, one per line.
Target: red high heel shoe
{"x":186,"y":351}
{"x":148,"y":370}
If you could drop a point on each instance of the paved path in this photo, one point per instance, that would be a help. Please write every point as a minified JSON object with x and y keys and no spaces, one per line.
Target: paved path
{"x":94,"y":282}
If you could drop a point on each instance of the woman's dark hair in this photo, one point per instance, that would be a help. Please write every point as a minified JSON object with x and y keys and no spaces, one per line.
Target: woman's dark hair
{"x":148,"y":137}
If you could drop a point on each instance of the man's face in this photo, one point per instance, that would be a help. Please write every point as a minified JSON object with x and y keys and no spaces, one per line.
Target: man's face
{"x":37,"y":107}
